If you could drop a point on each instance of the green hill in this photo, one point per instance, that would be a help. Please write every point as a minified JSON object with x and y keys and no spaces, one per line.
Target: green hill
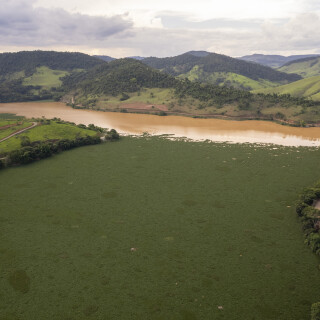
{"x":120,"y":83}
{"x":307,"y":88}
{"x":220,"y":69}
{"x":308,"y":67}
{"x":36,"y":75}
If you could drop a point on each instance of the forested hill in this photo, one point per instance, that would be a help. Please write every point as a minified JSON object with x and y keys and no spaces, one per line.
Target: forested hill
{"x":118,"y":76}
{"x":28,"y":61}
{"x":217,"y":63}
{"x":128,"y":76}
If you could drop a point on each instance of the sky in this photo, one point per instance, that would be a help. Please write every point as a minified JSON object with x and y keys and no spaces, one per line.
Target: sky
{"x":161,"y":28}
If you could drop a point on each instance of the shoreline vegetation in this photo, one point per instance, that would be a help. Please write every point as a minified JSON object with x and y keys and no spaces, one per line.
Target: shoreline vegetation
{"x":158,"y":112}
{"x":310,"y":218}
{"x":28,"y":150}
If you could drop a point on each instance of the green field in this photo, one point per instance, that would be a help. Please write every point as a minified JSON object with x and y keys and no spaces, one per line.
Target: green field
{"x":227,"y":78}
{"x":52,"y":131}
{"x":306,"y":69}
{"x":213,"y":225}
{"x":15,"y":125}
{"x":307,"y":88}
{"x":45,"y":77}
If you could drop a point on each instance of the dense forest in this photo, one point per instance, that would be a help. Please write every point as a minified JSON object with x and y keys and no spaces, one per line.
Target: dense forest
{"x":122,"y":75}
{"x":28,"y":61}
{"x":213,"y":62}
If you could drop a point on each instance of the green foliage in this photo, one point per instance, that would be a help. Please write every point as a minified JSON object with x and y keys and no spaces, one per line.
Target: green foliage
{"x":42,"y":150}
{"x":112,"y":135}
{"x":315,"y":311}
{"x":116,"y":78}
{"x":310,"y":216}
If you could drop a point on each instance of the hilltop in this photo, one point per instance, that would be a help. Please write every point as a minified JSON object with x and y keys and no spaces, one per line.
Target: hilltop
{"x":273,"y":61}
{"x":307,"y":67}
{"x":221,"y":70}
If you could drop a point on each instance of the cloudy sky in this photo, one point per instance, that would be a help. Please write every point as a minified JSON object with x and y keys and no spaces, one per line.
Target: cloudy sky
{"x":161,"y":28}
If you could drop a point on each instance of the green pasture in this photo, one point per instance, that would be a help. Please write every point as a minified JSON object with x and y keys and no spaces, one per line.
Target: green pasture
{"x":227,"y":78}
{"x":155,"y":229}
{"x":306,"y":69}
{"x":307,"y":88}
{"x":52,"y":131}
{"x":45,"y":77}
{"x":16,"y":127}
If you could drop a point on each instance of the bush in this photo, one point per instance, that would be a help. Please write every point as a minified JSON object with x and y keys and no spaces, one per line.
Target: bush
{"x":315,"y":311}
{"x":310,"y":217}
{"x":47,"y":149}
{"x":112,"y":135}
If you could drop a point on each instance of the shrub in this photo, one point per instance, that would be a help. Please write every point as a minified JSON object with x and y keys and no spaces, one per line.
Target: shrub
{"x":315,"y":311}
{"x":310,"y":217}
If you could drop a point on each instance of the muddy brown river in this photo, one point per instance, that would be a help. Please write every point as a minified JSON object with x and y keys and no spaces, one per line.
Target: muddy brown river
{"x":198,"y":129}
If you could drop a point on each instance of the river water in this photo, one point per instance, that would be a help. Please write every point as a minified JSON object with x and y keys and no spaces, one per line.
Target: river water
{"x":198,"y":129}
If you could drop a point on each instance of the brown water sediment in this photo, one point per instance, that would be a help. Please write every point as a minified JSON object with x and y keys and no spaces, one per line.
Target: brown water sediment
{"x":213,"y":129}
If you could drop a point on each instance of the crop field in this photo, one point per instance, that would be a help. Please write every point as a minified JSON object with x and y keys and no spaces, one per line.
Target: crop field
{"x":148,"y":228}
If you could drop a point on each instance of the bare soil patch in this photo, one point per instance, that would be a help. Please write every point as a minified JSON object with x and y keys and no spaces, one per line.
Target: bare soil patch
{"x":316,"y":204}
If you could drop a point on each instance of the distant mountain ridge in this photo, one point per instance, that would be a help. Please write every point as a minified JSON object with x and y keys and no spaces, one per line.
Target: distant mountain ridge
{"x":105,"y":58}
{"x":274,"y":61}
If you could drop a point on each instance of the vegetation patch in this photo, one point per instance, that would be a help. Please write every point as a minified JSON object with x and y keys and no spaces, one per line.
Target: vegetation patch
{"x":48,"y":138}
{"x":310,"y":216}
{"x":160,"y":228}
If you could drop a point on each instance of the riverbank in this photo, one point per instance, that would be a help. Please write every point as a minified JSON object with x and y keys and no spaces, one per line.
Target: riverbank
{"x":198,"y":129}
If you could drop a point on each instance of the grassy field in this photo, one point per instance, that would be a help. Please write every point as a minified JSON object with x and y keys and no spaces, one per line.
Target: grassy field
{"x":210,"y":225}
{"x":14,"y":126}
{"x":188,"y":105}
{"x":306,"y":69}
{"x":308,"y":88}
{"x":53,"y":131}
{"x":227,"y":78}
{"x":45,"y":77}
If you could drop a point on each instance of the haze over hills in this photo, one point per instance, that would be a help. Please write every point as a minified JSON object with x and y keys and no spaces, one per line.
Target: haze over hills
{"x":274,"y":61}
{"x":220,"y":69}
{"x":105,"y":58}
